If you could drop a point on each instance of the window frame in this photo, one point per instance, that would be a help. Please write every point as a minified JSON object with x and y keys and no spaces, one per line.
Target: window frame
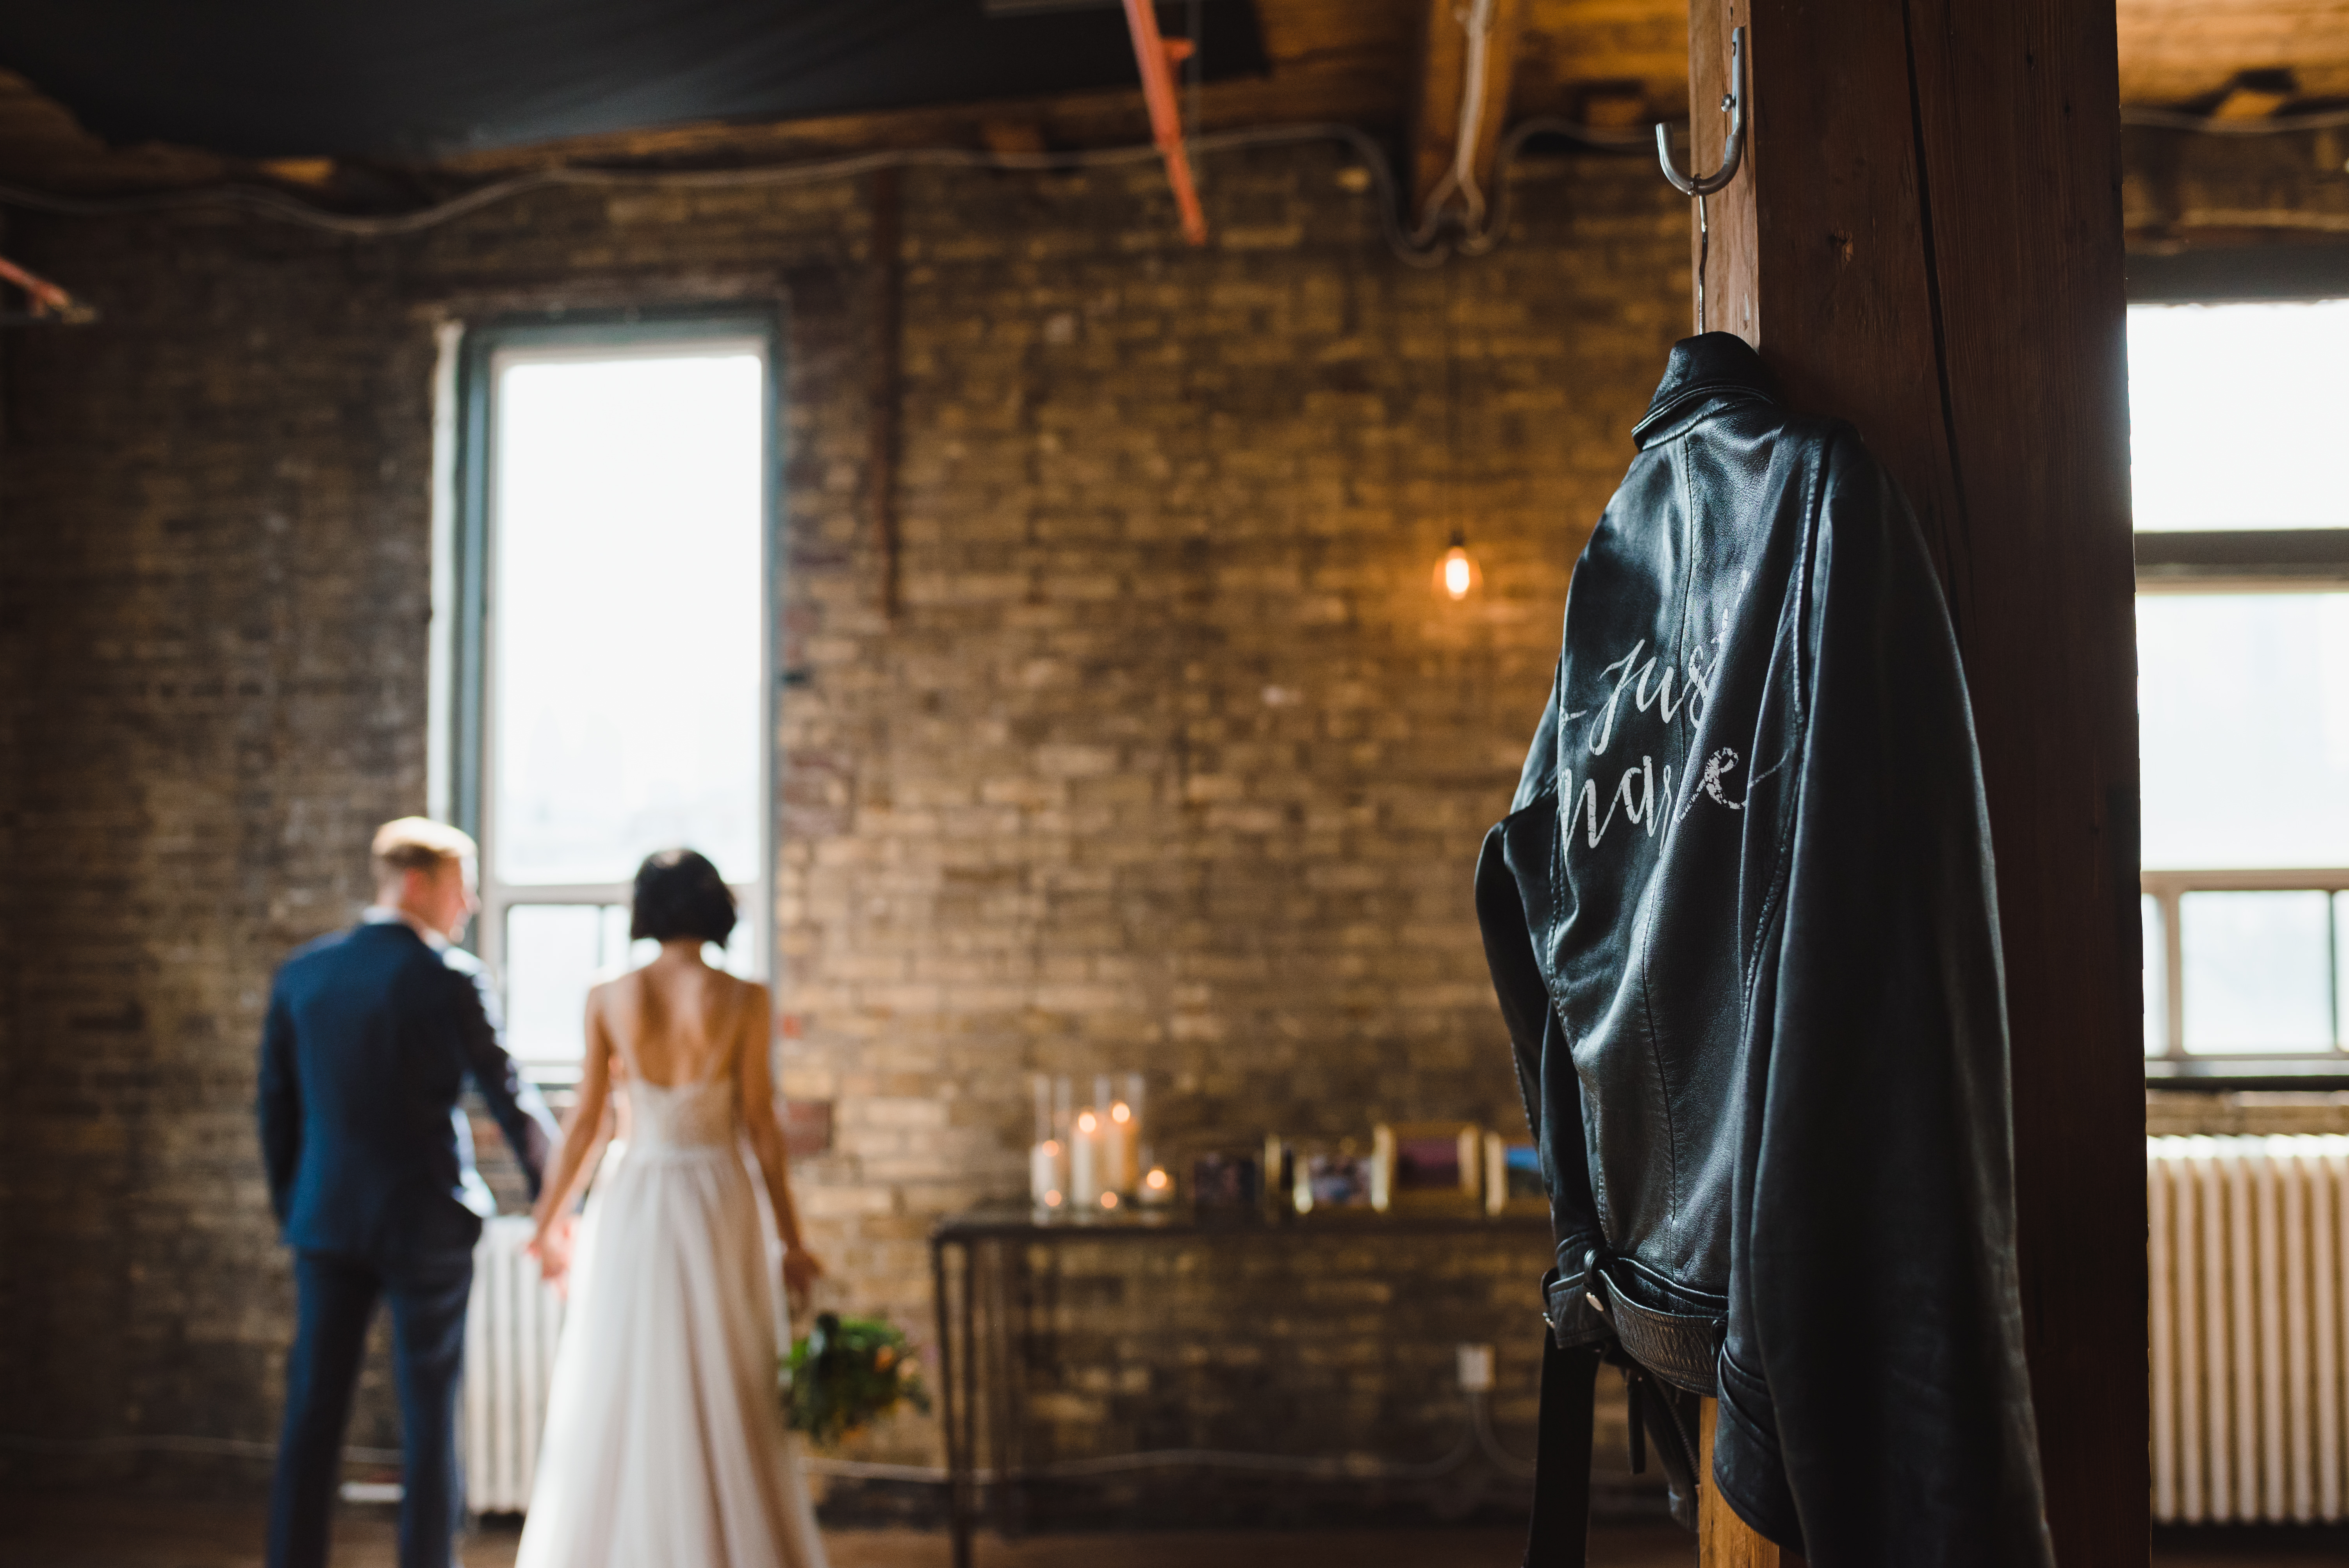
{"x":472,"y":561}
{"x":2240,"y":561}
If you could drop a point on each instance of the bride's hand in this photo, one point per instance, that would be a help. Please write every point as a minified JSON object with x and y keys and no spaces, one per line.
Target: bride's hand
{"x":552,"y":1247}
{"x":801,"y":1270}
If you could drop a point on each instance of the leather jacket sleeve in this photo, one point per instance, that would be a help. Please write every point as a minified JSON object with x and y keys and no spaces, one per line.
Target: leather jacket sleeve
{"x":1874,"y":1364}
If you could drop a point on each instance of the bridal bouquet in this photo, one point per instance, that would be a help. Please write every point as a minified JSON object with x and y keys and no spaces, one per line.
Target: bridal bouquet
{"x":848,"y":1372}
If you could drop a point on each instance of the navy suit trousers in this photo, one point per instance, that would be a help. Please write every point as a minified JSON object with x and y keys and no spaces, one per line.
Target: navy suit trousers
{"x":338,"y":1296}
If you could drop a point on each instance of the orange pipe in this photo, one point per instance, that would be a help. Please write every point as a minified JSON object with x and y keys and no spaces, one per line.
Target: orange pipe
{"x":1155,"y":56}
{"x":47,"y":297}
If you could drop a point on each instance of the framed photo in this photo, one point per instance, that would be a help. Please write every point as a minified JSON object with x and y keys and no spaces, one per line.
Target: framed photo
{"x":1513,"y":1177}
{"x":1327,"y":1180}
{"x":1226,"y":1184}
{"x":1427,"y":1167}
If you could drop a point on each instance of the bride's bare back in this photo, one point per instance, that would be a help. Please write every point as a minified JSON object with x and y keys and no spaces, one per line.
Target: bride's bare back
{"x":679,"y":1022}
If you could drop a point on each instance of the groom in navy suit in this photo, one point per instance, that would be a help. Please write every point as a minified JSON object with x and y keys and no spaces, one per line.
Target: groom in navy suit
{"x":371,"y":1037}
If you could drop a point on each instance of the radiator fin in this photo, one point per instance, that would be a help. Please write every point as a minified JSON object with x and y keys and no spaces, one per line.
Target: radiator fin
{"x":2247,"y":1251}
{"x":510,"y":1333}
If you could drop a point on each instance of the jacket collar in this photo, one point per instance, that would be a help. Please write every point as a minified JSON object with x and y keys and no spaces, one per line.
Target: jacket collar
{"x":378,"y":915}
{"x":1712,"y":364}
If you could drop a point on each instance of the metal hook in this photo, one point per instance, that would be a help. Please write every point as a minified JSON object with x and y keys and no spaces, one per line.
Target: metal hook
{"x":1734,"y":103}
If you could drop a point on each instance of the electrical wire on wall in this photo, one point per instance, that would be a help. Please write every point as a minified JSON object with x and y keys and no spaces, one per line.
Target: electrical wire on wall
{"x":264,"y":203}
{"x":1489,"y":219}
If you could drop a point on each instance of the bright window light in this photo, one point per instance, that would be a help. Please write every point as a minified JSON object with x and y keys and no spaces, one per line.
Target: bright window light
{"x":627,"y":596}
{"x":2239,"y":415}
{"x":625,"y":681}
{"x":2243,"y":729}
{"x":2259,"y":972}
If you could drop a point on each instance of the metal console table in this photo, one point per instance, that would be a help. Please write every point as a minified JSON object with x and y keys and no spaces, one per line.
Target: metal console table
{"x":966,"y":1368}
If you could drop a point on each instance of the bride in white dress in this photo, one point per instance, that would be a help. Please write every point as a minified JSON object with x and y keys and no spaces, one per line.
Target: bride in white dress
{"x":664,"y":1445}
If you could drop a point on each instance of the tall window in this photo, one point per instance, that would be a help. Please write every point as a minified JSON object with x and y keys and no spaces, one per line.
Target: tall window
{"x":2240,"y":421}
{"x":614,"y":560}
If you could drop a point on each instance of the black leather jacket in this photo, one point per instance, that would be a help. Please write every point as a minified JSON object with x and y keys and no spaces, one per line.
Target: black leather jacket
{"x":1742,"y":923}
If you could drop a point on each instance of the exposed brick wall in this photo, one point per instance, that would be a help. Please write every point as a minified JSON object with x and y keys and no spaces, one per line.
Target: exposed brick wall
{"x":1170,"y":761}
{"x":1173,"y":761}
{"x":215,"y":592}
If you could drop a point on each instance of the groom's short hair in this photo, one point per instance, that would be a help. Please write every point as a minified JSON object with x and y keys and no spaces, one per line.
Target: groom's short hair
{"x":418,"y":844}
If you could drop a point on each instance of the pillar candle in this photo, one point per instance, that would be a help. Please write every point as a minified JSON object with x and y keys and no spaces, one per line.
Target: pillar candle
{"x":1048,"y":1175}
{"x":1085,"y":1161}
{"x":1121,"y":1149}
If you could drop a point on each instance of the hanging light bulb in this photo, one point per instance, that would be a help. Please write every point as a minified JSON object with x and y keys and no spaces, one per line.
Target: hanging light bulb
{"x":1457,"y":575}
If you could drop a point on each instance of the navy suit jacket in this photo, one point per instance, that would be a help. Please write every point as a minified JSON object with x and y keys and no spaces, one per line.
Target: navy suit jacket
{"x":372,"y":1034}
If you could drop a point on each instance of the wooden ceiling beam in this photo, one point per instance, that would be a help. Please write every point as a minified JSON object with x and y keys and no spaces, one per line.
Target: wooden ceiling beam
{"x":1370,"y":63}
{"x":1452,"y":77}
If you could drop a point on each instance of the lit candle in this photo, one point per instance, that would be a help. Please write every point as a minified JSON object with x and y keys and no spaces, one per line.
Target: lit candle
{"x":1121,"y":1147}
{"x":1158,"y":1188}
{"x":1048,"y":1175}
{"x":1085,"y":1160}
{"x":1112,"y":1179}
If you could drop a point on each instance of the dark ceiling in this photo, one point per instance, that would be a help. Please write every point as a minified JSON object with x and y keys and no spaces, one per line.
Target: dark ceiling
{"x":299,"y":78}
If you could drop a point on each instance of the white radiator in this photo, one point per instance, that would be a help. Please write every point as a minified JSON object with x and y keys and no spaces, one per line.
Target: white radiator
{"x":509,"y":1334}
{"x":2248,"y":1250}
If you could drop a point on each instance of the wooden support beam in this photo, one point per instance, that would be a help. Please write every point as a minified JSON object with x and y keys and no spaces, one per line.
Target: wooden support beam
{"x":1723,"y":1539}
{"x":1451,"y":70}
{"x":1926,"y":240}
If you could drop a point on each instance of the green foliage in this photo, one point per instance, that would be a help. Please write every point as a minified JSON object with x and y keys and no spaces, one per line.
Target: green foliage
{"x":846,"y":1373}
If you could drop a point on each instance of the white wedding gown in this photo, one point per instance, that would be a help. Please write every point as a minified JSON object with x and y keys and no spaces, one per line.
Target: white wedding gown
{"x":665,"y":1444}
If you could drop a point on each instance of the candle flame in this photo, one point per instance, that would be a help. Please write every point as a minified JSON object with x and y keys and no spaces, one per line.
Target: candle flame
{"x":1051,"y":1200}
{"x":1155,"y":1180}
{"x":1109,"y":1200}
{"x":1052,"y":1146}
{"x":1119,"y":1112}
{"x":1086,"y":1121}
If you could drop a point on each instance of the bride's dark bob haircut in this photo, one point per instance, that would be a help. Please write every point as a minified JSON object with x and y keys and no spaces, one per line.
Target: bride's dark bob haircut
{"x":680,"y":893}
